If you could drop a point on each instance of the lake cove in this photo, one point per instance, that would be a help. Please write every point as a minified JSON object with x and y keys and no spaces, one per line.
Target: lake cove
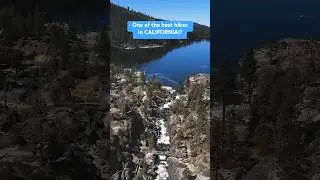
{"x":171,"y":64}
{"x":173,"y":68}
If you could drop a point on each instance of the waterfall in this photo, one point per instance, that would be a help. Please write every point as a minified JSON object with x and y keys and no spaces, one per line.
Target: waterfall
{"x":162,"y":141}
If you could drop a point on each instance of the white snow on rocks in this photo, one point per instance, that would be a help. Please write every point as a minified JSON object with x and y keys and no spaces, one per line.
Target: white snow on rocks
{"x":169,"y":89}
{"x":164,"y":137}
{"x":166,"y":105}
{"x":162,"y":172}
{"x":150,"y":46}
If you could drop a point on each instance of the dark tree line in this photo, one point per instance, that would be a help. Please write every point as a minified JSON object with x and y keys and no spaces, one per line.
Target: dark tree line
{"x":273,"y":128}
{"x":85,"y":15}
{"x":224,"y":94}
{"x":15,"y":25}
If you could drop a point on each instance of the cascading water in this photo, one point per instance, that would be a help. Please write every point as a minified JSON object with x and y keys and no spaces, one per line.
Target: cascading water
{"x":163,"y":141}
{"x":163,"y":145}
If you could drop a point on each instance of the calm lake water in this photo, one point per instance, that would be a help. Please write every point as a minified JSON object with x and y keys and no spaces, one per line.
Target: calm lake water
{"x":177,"y":65}
{"x":238,"y":25}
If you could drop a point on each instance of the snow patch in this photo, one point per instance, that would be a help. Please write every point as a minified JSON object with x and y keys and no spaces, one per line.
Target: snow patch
{"x":150,"y":46}
{"x":169,"y":89}
{"x":166,"y":105}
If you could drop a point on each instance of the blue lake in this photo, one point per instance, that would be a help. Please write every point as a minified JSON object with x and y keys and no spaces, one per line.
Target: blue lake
{"x":238,"y":25}
{"x":177,"y":65}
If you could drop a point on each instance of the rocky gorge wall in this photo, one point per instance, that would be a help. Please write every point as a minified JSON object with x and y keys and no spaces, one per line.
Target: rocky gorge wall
{"x":54,"y":123}
{"x":277,"y":135}
{"x":146,"y":133}
{"x":189,"y":129}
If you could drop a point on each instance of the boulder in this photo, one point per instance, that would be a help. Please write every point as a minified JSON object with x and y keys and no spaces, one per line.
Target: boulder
{"x":138,"y":91}
{"x":42,"y":59}
{"x":199,"y":79}
{"x":115,"y":113}
{"x":89,"y":89}
{"x":177,"y":169}
{"x":31,"y":47}
{"x":201,"y":177}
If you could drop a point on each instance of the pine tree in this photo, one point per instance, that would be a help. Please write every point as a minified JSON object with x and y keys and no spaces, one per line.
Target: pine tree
{"x":18,"y":23}
{"x":64,"y":51}
{"x":103,"y":44}
{"x":29,"y":23}
{"x":3,"y":16}
{"x":222,"y":93}
{"x":75,"y":54}
{"x":36,"y":21}
{"x":5,"y":96}
{"x":9,"y":31}
{"x":224,"y":88}
{"x":289,"y":147}
{"x":248,"y":70}
{"x":104,"y":47}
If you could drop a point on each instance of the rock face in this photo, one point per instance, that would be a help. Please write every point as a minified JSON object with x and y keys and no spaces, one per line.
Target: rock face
{"x":32,"y":47}
{"x":278,"y":63}
{"x":304,"y":55}
{"x":156,"y":132}
{"x":189,"y":131}
{"x":90,"y":38}
{"x":198,"y":79}
{"x":133,"y":157}
{"x":48,"y":128}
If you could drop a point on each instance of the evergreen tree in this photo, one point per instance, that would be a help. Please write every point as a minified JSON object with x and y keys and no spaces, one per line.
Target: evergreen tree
{"x":248,"y":71}
{"x":29,"y":23}
{"x":64,"y":52}
{"x":289,"y":144}
{"x":223,"y":91}
{"x":38,"y":22}
{"x":224,"y":88}
{"x":9,"y":31}
{"x":3,"y":16}
{"x":103,"y":47}
{"x":75,"y":54}
{"x":260,"y":108}
{"x":18,"y":23}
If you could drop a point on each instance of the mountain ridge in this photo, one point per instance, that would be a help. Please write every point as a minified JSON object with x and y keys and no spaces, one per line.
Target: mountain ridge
{"x":121,"y":15}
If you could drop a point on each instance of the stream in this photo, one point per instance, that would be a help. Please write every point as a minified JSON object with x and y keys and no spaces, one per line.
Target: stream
{"x":163,"y":143}
{"x":163,"y":140}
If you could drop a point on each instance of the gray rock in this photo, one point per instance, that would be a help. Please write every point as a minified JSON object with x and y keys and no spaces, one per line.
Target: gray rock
{"x":177,"y":169}
{"x":31,"y":47}
{"x":115,"y":113}
{"x":201,"y":177}
{"x":199,"y":79}
{"x":138,"y":91}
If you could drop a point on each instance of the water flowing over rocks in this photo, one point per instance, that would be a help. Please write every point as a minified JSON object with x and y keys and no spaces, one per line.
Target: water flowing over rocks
{"x":143,"y":128}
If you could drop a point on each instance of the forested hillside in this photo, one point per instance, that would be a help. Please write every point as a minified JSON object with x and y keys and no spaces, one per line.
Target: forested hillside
{"x":120,"y":16}
{"x":53,"y":91}
{"x":84,"y":14}
{"x":266,"y":122}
